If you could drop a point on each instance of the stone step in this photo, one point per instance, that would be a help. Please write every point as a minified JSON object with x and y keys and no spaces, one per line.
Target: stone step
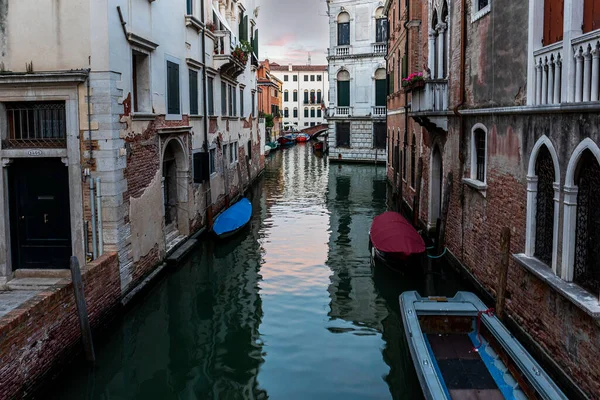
{"x":32,"y":283}
{"x":42,"y":273}
{"x":181,"y":252}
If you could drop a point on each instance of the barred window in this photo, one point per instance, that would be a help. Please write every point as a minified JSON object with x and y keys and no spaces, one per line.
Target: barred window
{"x":479,"y":148}
{"x":544,"y":219}
{"x":36,"y":124}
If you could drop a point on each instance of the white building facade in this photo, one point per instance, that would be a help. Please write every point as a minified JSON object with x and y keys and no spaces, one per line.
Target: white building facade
{"x":147,"y":99}
{"x":358,"y":84}
{"x":305,"y":94}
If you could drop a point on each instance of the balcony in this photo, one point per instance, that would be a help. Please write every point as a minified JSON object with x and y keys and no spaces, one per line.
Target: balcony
{"x":225,"y":61}
{"x":430,"y":104}
{"x":587,"y":66}
{"x":342,"y":51}
{"x":379,"y":111}
{"x":342,"y":111}
{"x":380,"y":48}
{"x":548,"y":74}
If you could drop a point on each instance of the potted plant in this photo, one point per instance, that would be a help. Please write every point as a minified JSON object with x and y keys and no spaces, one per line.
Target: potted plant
{"x":211,"y":26}
{"x":413,"y":81}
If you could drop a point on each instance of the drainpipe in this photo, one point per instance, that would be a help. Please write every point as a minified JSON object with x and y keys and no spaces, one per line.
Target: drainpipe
{"x":406,"y":106}
{"x":93,"y":209}
{"x":461,"y":133}
{"x":89,"y":115}
{"x":208,"y":195}
{"x":100,"y":230}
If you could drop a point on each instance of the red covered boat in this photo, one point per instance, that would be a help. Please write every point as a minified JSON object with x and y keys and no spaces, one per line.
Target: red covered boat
{"x":318,"y":146}
{"x":394,"y":241}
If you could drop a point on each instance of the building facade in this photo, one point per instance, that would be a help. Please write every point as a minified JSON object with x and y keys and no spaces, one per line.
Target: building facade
{"x":510,"y":127}
{"x":358,"y":84}
{"x":305,"y":94}
{"x":124,"y":128}
{"x":270,"y":98}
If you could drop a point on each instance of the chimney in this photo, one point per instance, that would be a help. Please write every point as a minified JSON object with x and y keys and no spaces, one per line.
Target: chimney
{"x":290,"y":67}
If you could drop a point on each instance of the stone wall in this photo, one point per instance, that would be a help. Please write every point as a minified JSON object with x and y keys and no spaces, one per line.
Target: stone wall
{"x":361,"y":143}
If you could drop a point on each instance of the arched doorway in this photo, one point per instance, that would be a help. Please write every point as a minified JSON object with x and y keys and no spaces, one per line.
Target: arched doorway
{"x":435,"y":196}
{"x":175,"y":189}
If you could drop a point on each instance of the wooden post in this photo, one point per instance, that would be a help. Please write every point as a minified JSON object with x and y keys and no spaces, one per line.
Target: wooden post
{"x":417,"y":202}
{"x":84,"y":323}
{"x":441,"y":240}
{"x":503,"y":272}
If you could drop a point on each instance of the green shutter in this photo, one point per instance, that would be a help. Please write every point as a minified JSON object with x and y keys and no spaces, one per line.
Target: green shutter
{"x":404,"y":66}
{"x":243,"y":26}
{"x":380,"y":92}
{"x":211,"y":99}
{"x":193,"y":92}
{"x":255,"y":44}
{"x":172,"y":88}
{"x":343,"y":99}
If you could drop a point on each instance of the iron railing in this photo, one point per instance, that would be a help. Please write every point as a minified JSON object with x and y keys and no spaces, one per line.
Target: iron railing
{"x":36,"y":124}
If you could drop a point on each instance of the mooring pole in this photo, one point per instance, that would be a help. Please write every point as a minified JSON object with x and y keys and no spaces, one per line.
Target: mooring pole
{"x":417,"y":202}
{"x":84,"y":323}
{"x":441,"y":239}
{"x":503,"y":272}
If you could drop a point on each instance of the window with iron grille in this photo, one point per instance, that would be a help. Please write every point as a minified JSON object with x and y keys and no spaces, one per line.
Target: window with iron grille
{"x":305,"y":78}
{"x":480,"y":150}
{"x":212,"y":158}
{"x":36,"y":124}
{"x":312,"y":78}
{"x":342,"y":134}
{"x":544,"y":218}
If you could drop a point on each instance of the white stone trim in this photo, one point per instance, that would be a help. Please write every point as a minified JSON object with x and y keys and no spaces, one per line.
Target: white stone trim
{"x":586,"y":144}
{"x":478,"y":14}
{"x":473,"y":176}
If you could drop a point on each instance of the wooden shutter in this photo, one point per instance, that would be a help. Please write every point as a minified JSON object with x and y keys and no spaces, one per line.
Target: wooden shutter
{"x":210,"y":95}
{"x":553,"y":21}
{"x":193,"y":92}
{"x":591,"y":15}
{"x":255,"y":43}
{"x":189,"y":7}
{"x":342,"y":134}
{"x":380,"y":92}
{"x":343,"y":99}
{"x":201,"y":166}
{"x":173,"y":88}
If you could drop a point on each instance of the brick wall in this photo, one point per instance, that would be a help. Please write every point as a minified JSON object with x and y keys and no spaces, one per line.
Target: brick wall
{"x":43,"y":333}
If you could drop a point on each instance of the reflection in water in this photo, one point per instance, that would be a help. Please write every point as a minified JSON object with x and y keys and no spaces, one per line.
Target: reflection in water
{"x":291,"y":308}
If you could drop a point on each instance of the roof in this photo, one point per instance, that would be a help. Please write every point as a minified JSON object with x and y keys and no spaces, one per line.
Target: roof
{"x":299,"y":68}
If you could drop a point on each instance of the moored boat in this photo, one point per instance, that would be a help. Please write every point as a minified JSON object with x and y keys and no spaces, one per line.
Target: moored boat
{"x":395,"y":242}
{"x":273,"y":145}
{"x":267,"y":150}
{"x":318,"y":146}
{"x":302,"y":137}
{"x":287,"y":140}
{"x":462,"y":351}
{"x":234,"y":219}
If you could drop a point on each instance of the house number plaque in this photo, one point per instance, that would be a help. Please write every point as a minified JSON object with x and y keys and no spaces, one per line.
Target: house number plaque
{"x":34,"y":153}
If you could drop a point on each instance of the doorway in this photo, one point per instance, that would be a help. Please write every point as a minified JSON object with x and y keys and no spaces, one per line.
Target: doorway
{"x":40,"y":222}
{"x":435,"y":207}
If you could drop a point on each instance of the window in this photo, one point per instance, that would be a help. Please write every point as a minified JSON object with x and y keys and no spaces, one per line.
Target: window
{"x":343,"y":86}
{"x":306,"y":124}
{"x":225,"y":153}
{"x":319,"y":78}
{"x":234,"y":101}
{"x":250,"y":149}
{"x":142,"y":100}
{"x":253,"y":103}
{"x":305,"y":112}
{"x":306,"y":97}
{"x":544,"y":218}
{"x":36,"y":124}
{"x":243,"y":27}
{"x":193,"y":92}
{"x":479,"y":9}
{"x":211,"y":161}
{"x":343,"y":28}
{"x":413,"y":159}
{"x":235,"y":152}
{"x":305,"y":78}
{"x":478,"y":157}
{"x":312,"y":97}
{"x":318,"y":113}
{"x":295,"y":112}
{"x":223,"y":99}
{"x":312,"y":124}
{"x":380,"y":88}
{"x":342,"y":137}
{"x":295,"y":95}
{"x":295,"y":78}
{"x":242,"y":102}
{"x":286,"y":112}
{"x":405,"y":157}
{"x":189,"y":8}
{"x":312,"y":78}
{"x":319,"y":99}
{"x":381,"y":30}
{"x":379,"y":133}
{"x":553,"y":21}
{"x":591,"y":15}
{"x":286,"y":96}
{"x":231,"y":101}
{"x":210,"y":95}
{"x":285,"y":78}
{"x":312,"y":112}
{"x":173,"y":101}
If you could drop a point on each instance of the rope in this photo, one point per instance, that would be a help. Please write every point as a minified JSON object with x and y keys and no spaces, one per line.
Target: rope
{"x":440,"y":256}
{"x":490,"y":313}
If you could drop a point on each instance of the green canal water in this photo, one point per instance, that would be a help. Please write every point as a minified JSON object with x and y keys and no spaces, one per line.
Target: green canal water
{"x":289,"y":309}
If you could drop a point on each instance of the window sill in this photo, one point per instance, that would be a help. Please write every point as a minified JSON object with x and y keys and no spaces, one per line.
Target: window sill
{"x":481,"y":13}
{"x":173,"y":117}
{"x":196,"y":116}
{"x":194,"y":22}
{"x":143,"y":116}
{"x":475,"y":184}
{"x":572,"y":292}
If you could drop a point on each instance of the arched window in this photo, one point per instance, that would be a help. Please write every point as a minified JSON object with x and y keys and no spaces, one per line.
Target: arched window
{"x":544,"y":215}
{"x":286,"y":112}
{"x":405,"y":156}
{"x":479,"y":153}
{"x":343,"y":26}
{"x":433,"y":46}
{"x":380,"y":88}
{"x":295,"y":96}
{"x":413,"y":159}
{"x":586,"y":272}
{"x":295,"y":112}
{"x":343,"y":87}
{"x":443,"y":42}
{"x":306,"y":97}
{"x":286,"y":96}
{"x":312,"y":112}
{"x":305,"y":112}
{"x":319,"y":97}
{"x":312,"y":97}
{"x":319,"y":113}
{"x":381,"y":26}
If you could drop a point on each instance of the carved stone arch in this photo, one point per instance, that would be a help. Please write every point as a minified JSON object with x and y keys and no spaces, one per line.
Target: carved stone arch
{"x":175,"y":171}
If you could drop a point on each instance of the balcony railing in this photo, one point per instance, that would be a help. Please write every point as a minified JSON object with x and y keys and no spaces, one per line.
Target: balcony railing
{"x":379,"y":111}
{"x":432,"y":97}
{"x":341,"y":111}
{"x":380,"y":48}
{"x":342,"y":51}
{"x":548,"y":74}
{"x":586,"y":49}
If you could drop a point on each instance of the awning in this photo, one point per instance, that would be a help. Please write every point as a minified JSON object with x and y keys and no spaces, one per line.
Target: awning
{"x":391,"y":233}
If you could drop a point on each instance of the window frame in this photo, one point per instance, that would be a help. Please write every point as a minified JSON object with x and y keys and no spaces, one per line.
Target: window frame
{"x":223,"y":99}
{"x":474,"y":155}
{"x":339,"y":34}
{"x":210,"y":95}
{"x":191,"y":72}
{"x":286,"y":78}
{"x":479,"y":12}
{"x":172,"y":116}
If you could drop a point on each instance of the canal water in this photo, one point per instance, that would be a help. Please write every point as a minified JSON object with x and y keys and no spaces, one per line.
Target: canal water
{"x":289,"y":309}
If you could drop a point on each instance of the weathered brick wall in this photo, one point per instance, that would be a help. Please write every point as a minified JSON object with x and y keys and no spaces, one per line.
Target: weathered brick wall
{"x":44,"y":332}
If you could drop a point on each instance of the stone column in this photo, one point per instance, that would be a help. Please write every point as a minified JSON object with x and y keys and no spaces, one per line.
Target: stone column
{"x":532,"y":188}
{"x":569,"y":226}
{"x":431,"y":53}
{"x":555,"y":229}
{"x":441,"y":43}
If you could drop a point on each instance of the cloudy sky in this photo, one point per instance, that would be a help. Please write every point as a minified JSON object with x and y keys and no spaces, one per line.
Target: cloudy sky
{"x":290,"y":29}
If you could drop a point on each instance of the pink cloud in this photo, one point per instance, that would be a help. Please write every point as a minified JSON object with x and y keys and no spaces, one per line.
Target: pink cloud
{"x":282,"y":41}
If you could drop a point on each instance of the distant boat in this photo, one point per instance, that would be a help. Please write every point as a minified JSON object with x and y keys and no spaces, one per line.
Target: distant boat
{"x":395,"y":242}
{"x":460,"y":350}
{"x":234,"y":219}
{"x":302,"y":137}
{"x":273,"y":145}
{"x":287,"y":140}
{"x":318,"y":146}
{"x":267,"y":150}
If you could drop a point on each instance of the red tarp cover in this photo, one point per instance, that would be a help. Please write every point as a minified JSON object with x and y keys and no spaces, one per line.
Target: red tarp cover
{"x":391,"y":233}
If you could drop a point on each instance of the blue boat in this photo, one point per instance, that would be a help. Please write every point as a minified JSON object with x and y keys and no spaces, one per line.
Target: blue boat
{"x":461,"y":350}
{"x":234,"y":219}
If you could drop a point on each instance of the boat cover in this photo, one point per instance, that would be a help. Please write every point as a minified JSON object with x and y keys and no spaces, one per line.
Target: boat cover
{"x":391,"y":233}
{"x":234,"y":217}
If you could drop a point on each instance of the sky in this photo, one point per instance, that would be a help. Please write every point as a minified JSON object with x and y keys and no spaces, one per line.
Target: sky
{"x":290,"y":29}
